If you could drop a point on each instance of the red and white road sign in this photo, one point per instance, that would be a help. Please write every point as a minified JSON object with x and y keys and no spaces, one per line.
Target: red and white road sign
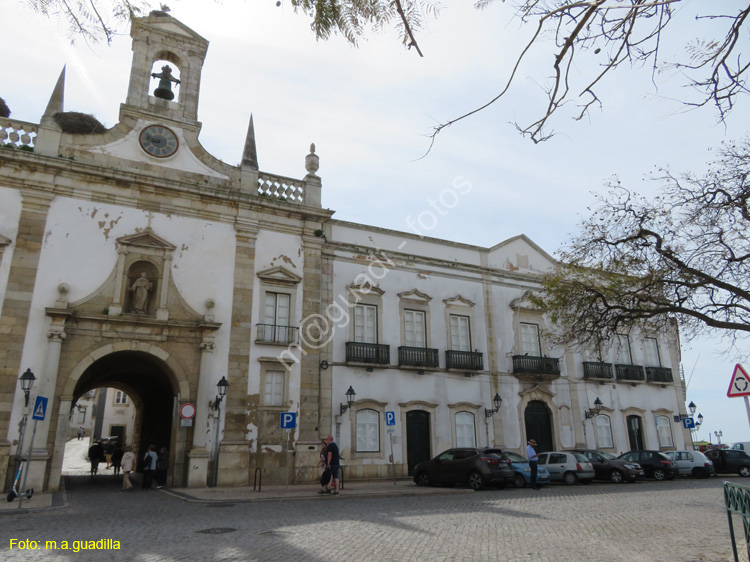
{"x":740,"y":385}
{"x":187,"y":411}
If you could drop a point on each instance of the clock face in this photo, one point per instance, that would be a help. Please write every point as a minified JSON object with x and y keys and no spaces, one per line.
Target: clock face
{"x":159,"y":141}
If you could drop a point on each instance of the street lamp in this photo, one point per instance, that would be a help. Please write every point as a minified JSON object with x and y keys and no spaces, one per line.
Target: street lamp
{"x":27,"y":381}
{"x":350,"y":394}
{"x":222,"y":387}
{"x":718,"y":436}
{"x":595,"y":410}
{"x":692,"y":407}
{"x":497,"y":402}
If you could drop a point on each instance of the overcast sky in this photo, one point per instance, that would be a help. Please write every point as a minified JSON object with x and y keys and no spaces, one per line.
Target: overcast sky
{"x":369,"y":109}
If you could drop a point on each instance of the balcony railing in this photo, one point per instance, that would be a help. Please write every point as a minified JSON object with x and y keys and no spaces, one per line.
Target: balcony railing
{"x":270,"y":333}
{"x":597,"y":370}
{"x":358,"y":352}
{"x":659,"y":374}
{"x":468,"y":360}
{"x":417,"y":357}
{"x":629,"y":372}
{"x":537,"y":365}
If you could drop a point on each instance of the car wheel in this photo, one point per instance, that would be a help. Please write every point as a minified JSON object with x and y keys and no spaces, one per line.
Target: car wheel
{"x":475,"y":481}
{"x":659,"y":474}
{"x":744,"y":471}
{"x":615,"y":476}
{"x":519,"y":481}
{"x":422,"y":479}
{"x":570,"y":478}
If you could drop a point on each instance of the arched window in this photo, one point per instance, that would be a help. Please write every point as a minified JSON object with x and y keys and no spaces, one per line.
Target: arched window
{"x":465,"y":434}
{"x":368,"y":431}
{"x":604,"y":432}
{"x":664,"y":430}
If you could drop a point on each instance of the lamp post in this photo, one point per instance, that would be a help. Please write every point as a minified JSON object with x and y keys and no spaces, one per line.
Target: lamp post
{"x":593,"y":412}
{"x":222,"y":387}
{"x":27,"y":381}
{"x":718,"y":436}
{"x":350,"y":394}
{"x":489,"y":412}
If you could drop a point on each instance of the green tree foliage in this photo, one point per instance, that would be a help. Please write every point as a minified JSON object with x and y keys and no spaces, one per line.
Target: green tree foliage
{"x":683,"y":255}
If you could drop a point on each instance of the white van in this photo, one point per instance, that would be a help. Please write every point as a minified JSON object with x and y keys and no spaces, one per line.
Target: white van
{"x":742,"y":446}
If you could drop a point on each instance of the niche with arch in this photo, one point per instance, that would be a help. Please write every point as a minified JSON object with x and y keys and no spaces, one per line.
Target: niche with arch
{"x":142,"y":288}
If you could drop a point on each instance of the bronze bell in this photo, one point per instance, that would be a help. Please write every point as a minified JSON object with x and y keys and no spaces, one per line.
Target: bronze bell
{"x":164,"y":91}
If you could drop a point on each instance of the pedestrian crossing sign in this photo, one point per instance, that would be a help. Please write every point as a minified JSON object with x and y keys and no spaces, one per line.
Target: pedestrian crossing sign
{"x":40,"y":408}
{"x":740,"y":385}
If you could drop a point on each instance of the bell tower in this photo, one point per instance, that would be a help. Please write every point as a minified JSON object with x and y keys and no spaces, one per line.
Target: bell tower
{"x":165,"y":74}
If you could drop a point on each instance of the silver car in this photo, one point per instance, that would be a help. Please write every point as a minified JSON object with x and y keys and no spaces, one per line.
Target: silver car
{"x":567,"y":467}
{"x":692,"y":463}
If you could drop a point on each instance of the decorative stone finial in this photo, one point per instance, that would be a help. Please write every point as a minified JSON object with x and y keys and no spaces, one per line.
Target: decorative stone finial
{"x":312,"y":162}
{"x":63,"y":289}
{"x":210,"y":304}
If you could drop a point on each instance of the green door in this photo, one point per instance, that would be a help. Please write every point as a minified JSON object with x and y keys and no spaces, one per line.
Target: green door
{"x":539,"y":426}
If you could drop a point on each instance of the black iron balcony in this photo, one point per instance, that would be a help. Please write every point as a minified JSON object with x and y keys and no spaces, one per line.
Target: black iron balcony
{"x":417,"y":357}
{"x":358,"y":352}
{"x":536,"y":365}
{"x":659,"y":374}
{"x":629,"y":373}
{"x":597,"y":370}
{"x":270,"y":333}
{"x":466,"y":360}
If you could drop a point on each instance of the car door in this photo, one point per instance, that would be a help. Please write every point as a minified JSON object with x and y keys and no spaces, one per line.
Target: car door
{"x":442,"y":467}
{"x":556,"y":465}
{"x":600,"y":464}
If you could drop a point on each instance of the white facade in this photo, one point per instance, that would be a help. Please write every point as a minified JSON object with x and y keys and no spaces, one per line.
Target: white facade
{"x":140,"y":263}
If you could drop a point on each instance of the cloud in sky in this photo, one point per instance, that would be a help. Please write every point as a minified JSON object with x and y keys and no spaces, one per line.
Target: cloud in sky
{"x":369,"y":109}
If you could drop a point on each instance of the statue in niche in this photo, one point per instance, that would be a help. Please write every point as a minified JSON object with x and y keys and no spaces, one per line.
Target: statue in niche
{"x":140,"y":289}
{"x":164,"y":90}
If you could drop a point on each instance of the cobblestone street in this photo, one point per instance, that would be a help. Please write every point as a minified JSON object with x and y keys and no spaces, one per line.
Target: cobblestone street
{"x":677,"y":521}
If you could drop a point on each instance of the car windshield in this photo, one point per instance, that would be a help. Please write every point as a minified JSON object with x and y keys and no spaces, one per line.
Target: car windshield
{"x":608,"y":456}
{"x":580,"y":458}
{"x":515,"y":457}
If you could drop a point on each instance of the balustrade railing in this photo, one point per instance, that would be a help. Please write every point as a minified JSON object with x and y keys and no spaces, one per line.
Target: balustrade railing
{"x":659,"y":374}
{"x":270,"y":333}
{"x":17,"y":134}
{"x":418,"y":357}
{"x":281,"y":188}
{"x":629,"y":373}
{"x":597,"y":370}
{"x":358,"y":352}
{"x":537,"y":365}
{"x":471,"y":360}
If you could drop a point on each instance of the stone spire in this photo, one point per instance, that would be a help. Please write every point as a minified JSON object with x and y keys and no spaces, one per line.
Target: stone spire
{"x":56,"y":101}
{"x":250,"y":154}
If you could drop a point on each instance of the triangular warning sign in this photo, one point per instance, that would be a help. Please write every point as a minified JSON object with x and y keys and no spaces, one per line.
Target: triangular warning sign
{"x":39,"y":411}
{"x":740,"y":385}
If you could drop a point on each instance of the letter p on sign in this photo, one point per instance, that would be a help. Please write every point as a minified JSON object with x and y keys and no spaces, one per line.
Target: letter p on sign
{"x":288,"y":420}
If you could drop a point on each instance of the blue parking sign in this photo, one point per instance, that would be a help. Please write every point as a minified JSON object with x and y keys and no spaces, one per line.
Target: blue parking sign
{"x":390,"y":418}
{"x":288,"y":420}
{"x":688,"y":423}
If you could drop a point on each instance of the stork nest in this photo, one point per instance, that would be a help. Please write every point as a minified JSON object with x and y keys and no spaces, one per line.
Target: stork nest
{"x":4,"y":109}
{"x":77,"y":123}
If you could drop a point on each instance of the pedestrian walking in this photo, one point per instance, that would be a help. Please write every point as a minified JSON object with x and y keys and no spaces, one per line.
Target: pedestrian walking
{"x":96,"y":454}
{"x":333,"y":462}
{"x":128,"y":465}
{"x":117,"y":455}
{"x":80,"y":433}
{"x":149,"y":467}
{"x":108,"y":450}
{"x":162,"y":465}
{"x":533,"y":457}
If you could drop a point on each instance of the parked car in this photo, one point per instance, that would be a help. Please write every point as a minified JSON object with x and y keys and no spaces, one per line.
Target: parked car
{"x":472,"y":466}
{"x":522,"y":469}
{"x":692,"y":463}
{"x":730,"y":460}
{"x":655,"y":464}
{"x":741,"y":446}
{"x":609,"y":467}
{"x":567,"y":467}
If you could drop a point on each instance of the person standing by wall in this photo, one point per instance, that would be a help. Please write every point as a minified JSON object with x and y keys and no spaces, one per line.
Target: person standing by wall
{"x":128,"y":465}
{"x":533,"y":457}
{"x":162,"y":465}
{"x":149,"y":467}
{"x":117,"y":455}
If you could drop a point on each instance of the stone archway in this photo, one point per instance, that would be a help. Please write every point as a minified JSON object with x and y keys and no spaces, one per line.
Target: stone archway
{"x":152,"y":378}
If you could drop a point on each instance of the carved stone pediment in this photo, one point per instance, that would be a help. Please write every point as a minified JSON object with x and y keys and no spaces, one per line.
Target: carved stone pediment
{"x":537,"y":393}
{"x":146,"y":239}
{"x":279,"y":276}
{"x":415,"y":295}
{"x":365,"y":288}
{"x":4,"y":241}
{"x":458,"y":300}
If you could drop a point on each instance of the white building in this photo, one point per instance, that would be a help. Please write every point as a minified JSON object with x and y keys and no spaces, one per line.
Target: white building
{"x":131,"y":258}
